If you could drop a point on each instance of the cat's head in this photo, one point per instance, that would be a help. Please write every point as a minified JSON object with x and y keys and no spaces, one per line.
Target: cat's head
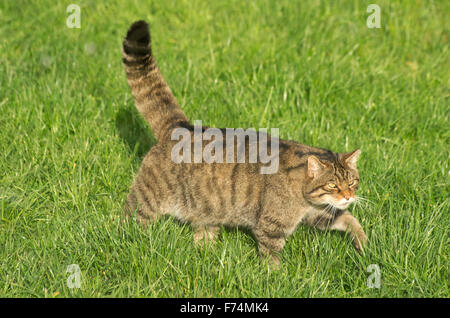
{"x":332,"y":181}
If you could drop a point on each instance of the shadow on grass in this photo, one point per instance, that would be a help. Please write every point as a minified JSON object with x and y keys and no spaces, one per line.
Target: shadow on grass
{"x":134,"y":131}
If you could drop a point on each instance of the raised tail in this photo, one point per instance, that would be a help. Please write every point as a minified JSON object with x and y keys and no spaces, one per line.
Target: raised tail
{"x":153,"y":97}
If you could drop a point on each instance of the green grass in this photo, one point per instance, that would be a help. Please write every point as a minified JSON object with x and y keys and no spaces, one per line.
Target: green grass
{"x":71,"y":142}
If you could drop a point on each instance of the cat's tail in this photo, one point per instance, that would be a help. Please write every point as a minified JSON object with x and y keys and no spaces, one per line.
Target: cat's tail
{"x":152,"y":95}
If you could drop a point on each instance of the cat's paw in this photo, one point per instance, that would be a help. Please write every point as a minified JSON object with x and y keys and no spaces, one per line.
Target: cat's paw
{"x":274,"y":263}
{"x":360,"y":242}
{"x":203,"y":236}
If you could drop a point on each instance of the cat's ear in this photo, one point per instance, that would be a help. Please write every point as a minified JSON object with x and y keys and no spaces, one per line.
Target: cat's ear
{"x":351,"y":158}
{"x":315,"y":166}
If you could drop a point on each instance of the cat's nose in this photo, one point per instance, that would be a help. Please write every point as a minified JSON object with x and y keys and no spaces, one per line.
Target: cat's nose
{"x":347,"y":195}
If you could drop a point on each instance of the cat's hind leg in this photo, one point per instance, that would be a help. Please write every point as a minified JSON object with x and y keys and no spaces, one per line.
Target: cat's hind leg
{"x":139,"y":205}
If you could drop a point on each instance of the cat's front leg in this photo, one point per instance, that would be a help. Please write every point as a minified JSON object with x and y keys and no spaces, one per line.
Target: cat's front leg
{"x":271,"y":239}
{"x":270,"y":247}
{"x":348,"y":223}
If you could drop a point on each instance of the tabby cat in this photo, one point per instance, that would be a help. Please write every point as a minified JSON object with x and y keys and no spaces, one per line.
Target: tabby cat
{"x":313,"y":186}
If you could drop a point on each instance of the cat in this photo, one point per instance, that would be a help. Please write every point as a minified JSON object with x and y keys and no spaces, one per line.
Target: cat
{"x":312,"y":186}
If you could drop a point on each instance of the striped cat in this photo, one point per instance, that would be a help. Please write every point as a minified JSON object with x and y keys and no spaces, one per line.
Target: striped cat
{"x":312,"y":186}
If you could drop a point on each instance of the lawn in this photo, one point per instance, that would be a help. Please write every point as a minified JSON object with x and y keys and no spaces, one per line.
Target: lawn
{"x":71,"y":142}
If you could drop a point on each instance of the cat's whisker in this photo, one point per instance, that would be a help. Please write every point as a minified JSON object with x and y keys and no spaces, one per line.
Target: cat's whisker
{"x":329,"y":209}
{"x":358,"y":197}
{"x":319,"y":217}
{"x":322,"y":214}
{"x":360,"y":201}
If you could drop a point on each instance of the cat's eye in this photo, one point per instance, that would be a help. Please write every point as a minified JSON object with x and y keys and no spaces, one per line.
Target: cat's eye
{"x":353,"y":182}
{"x":332,"y":185}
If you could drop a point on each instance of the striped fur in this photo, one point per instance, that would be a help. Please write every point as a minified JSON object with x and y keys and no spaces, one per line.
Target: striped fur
{"x":209,"y":196}
{"x":154,"y":98}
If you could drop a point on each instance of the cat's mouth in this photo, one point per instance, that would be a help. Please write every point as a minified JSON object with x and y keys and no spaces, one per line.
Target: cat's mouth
{"x":331,"y":205}
{"x":342,"y":204}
